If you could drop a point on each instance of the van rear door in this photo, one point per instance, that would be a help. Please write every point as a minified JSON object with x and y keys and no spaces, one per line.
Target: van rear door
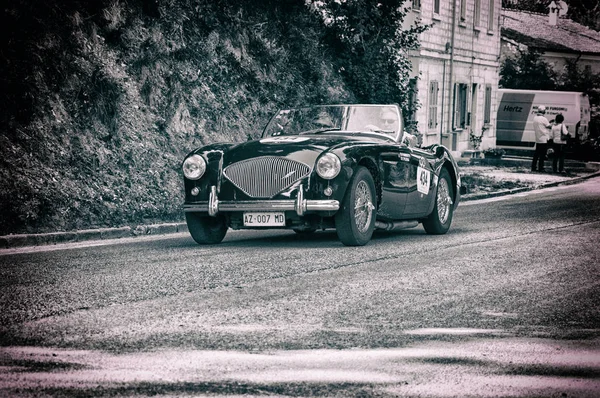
{"x":511,"y":124}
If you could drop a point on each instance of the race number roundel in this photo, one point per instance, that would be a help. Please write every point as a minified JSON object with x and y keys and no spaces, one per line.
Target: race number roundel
{"x":423,"y":177}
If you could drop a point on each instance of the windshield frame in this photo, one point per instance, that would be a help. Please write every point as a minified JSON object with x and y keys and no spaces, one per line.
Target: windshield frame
{"x":344,"y":110}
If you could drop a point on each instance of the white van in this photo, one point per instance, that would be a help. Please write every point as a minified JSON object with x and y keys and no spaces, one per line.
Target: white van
{"x":514,"y":129}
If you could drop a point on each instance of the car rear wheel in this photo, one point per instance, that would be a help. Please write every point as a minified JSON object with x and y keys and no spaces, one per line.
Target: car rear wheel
{"x":355,"y":220}
{"x":206,"y":230}
{"x":438,"y":222}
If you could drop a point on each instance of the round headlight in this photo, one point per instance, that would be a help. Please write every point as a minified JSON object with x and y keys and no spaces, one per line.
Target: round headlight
{"x":329,"y":166}
{"x":194,"y":167}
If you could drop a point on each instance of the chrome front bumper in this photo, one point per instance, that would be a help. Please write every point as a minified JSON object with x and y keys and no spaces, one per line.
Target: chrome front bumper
{"x":299,"y":205}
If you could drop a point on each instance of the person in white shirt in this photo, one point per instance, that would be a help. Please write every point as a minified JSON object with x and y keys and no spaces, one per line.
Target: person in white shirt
{"x":541,"y":127}
{"x":559,"y":136}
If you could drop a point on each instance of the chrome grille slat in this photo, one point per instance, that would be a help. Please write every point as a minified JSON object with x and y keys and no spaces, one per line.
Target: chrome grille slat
{"x":265,"y":176}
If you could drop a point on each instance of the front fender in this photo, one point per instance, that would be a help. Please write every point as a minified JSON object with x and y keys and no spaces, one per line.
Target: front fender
{"x":444,"y":159}
{"x":351,"y":157}
{"x":213,"y":154}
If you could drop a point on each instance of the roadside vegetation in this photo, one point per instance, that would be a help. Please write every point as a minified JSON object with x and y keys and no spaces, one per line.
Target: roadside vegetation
{"x":102,"y":100}
{"x":478,"y":182}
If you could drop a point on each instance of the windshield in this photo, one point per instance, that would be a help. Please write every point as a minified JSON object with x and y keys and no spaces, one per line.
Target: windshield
{"x":384,"y":120}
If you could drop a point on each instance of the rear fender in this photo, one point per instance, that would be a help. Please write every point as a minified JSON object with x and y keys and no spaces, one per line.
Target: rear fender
{"x":445,"y":160}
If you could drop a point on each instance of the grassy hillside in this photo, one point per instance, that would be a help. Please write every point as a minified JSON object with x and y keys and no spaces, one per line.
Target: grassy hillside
{"x":102,"y":100}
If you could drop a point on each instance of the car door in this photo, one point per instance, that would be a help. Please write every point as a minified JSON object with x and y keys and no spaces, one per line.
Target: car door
{"x":396,"y":183}
{"x":420,"y":185}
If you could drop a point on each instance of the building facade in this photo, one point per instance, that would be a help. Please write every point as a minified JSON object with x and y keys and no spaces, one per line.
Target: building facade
{"x":456,"y":71}
{"x":555,"y":36}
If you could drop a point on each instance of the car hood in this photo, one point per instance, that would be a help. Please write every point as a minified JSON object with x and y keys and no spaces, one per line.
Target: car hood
{"x":304,"y":149}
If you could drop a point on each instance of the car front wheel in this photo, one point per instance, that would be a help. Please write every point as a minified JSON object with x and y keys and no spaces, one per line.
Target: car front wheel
{"x":438,"y":222}
{"x":206,"y":230}
{"x":355,"y":220}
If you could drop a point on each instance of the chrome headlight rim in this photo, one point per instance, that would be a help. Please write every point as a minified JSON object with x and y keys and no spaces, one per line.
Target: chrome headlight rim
{"x":194,"y":167}
{"x":328,"y":166}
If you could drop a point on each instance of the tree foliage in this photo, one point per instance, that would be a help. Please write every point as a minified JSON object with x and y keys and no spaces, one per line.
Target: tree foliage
{"x":527,"y":69}
{"x":540,"y":6}
{"x":102,"y":100}
{"x":575,"y":78}
{"x":586,"y":12}
{"x":370,"y":50}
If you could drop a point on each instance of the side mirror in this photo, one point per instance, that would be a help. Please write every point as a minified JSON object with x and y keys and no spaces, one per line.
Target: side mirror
{"x":439,"y":151}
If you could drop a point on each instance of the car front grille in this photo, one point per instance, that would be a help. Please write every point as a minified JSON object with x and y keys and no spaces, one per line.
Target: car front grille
{"x":266,"y":176}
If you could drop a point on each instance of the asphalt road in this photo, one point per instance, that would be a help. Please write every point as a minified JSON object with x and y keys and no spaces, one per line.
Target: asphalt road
{"x":506,"y":304}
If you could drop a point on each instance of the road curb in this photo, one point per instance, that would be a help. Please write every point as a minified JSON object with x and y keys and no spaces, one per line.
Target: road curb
{"x":53,"y":238}
{"x":486,"y":195}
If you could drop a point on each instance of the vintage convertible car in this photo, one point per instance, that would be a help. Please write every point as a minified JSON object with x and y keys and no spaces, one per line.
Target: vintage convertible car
{"x":347,"y":167}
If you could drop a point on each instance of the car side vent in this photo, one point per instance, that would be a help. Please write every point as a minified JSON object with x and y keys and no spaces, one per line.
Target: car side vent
{"x":266,"y":176}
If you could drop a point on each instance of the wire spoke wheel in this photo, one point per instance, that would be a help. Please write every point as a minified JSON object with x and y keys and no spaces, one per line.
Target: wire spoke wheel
{"x":355,"y":220}
{"x":444,"y":201}
{"x":363,"y":209}
{"x":438,"y":222}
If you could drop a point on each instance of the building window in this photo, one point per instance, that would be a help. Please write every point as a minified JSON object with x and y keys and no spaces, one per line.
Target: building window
{"x":477,"y":14}
{"x":463,"y":10}
{"x":487,"y":110}
{"x":459,"y":119}
{"x":416,"y":4}
{"x":491,"y":16}
{"x":433,"y":105}
{"x":436,"y":7}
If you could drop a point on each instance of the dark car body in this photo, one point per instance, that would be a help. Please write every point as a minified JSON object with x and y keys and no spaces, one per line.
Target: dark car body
{"x":277,"y":176}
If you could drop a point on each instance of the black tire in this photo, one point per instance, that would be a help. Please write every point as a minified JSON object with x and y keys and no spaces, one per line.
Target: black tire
{"x":438,"y":222}
{"x":355,"y":220}
{"x":206,"y":230}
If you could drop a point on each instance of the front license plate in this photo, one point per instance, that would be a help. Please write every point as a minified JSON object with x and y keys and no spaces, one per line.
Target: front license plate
{"x":264,"y":219}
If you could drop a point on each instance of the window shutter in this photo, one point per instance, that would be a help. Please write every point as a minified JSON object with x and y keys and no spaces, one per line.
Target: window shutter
{"x":487,"y":111}
{"x":433,"y":105}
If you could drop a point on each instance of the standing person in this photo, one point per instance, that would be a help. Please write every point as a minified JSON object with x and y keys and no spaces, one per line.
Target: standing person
{"x":560,"y":134}
{"x":541,"y":127}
